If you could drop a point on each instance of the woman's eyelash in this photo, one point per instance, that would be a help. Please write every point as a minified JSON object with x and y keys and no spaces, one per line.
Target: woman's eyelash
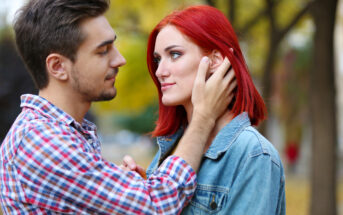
{"x":175,"y":54}
{"x":157,"y":60}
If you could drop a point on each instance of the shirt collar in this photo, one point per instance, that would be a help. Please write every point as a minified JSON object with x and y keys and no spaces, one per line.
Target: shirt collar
{"x":220,"y":144}
{"x":51,"y":111}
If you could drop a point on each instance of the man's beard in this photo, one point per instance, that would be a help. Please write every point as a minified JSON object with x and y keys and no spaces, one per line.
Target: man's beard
{"x":88,"y":93}
{"x":104,"y":97}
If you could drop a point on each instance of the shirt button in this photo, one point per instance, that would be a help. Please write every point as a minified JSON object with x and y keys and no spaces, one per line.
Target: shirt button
{"x":90,"y":141}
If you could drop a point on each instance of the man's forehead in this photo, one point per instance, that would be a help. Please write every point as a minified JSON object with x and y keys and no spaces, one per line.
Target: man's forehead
{"x":97,"y":30}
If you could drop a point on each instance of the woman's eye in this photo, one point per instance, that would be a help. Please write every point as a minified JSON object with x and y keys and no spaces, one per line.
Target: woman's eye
{"x":175,"y":55}
{"x":157,"y":60}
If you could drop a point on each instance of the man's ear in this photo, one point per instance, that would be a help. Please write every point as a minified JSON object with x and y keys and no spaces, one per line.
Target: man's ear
{"x":216,"y":59}
{"x":57,"y":66}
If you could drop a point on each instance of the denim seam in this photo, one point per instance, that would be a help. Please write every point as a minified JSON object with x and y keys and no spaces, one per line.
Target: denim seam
{"x":216,"y":154}
{"x":263,"y":150}
{"x":213,"y":188}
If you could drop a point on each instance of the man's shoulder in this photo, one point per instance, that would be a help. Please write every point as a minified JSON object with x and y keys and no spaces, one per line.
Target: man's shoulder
{"x":33,"y":129}
{"x":28,"y":120}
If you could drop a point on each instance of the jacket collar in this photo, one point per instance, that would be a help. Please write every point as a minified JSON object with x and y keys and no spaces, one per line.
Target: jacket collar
{"x":227,"y":136}
{"x":167,"y":143}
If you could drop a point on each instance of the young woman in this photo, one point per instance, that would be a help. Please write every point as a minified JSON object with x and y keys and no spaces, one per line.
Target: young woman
{"x":241,"y":172}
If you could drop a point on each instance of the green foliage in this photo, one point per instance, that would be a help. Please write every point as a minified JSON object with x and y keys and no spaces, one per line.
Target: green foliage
{"x":141,"y":123}
{"x":135,"y":88}
{"x":141,"y":16}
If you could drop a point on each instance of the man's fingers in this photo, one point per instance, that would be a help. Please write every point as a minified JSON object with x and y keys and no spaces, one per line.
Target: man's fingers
{"x":230,"y":76}
{"x":222,"y":69}
{"x":129,"y":162}
{"x":124,"y":168}
{"x":233,"y":85}
{"x":202,"y":70}
{"x":141,"y":171}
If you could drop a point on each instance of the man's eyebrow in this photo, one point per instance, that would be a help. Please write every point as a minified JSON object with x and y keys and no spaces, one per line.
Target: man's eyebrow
{"x":107,"y":42}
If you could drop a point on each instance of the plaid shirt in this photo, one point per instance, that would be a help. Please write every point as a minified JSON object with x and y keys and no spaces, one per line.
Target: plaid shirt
{"x":51,"y":164}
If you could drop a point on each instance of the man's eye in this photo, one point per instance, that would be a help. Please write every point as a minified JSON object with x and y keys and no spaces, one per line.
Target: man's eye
{"x":104,"y":51}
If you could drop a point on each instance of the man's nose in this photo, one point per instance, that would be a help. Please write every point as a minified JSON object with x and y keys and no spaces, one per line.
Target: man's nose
{"x":117,"y":59}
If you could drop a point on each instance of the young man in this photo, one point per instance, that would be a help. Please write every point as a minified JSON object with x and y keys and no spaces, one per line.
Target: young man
{"x":50,"y":161}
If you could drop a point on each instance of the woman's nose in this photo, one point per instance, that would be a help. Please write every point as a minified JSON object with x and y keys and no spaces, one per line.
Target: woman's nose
{"x":162,"y":70}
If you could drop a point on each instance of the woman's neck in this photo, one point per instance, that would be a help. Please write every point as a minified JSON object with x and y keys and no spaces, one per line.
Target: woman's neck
{"x":220,"y":123}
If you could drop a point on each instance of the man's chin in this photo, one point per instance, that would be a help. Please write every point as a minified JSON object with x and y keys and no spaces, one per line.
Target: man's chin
{"x":105,"y":97}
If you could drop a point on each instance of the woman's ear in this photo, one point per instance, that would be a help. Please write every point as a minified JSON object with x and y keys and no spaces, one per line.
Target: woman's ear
{"x":216,"y":59}
{"x":57,"y":66}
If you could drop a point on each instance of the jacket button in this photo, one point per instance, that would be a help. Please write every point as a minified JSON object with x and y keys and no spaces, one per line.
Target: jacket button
{"x":213,"y":205}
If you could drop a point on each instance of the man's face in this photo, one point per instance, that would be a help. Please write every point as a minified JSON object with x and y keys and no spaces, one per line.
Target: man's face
{"x":97,"y":62}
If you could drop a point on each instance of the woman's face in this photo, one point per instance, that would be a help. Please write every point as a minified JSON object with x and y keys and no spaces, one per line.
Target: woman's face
{"x":178,"y":59}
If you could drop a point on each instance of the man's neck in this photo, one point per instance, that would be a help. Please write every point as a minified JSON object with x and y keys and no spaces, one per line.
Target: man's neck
{"x":66,"y":102}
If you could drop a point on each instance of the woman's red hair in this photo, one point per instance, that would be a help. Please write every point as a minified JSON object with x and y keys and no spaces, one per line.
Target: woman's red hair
{"x":208,"y":28}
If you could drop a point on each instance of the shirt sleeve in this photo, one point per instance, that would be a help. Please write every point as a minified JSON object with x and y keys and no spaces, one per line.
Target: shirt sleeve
{"x":58,"y":173}
{"x":258,"y":188}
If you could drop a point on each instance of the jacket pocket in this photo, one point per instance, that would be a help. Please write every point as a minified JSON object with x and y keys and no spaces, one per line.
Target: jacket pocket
{"x":207,"y":199}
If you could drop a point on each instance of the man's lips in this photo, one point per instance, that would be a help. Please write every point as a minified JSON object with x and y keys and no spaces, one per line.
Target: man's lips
{"x":165,"y":86}
{"x":112,"y":76}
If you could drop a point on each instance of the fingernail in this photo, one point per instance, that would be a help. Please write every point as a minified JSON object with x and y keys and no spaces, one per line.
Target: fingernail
{"x":205,"y":59}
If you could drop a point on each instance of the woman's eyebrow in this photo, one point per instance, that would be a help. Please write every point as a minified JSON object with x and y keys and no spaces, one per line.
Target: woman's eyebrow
{"x":170,"y":47}
{"x":167,"y":49}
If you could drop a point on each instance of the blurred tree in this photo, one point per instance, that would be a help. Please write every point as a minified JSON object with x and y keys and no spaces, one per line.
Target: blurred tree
{"x":14,"y":81}
{"x":291,"y":95}
{"x":262,"y":26}
{"x":277,"y":33}
{"x":323,"y":111}
{"x":211,"y":2}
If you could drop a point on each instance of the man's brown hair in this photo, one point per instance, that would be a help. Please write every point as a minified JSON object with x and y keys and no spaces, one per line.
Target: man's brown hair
{"x":43,"y":27}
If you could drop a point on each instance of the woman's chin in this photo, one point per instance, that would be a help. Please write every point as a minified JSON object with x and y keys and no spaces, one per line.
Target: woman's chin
{"x":169,"y":102}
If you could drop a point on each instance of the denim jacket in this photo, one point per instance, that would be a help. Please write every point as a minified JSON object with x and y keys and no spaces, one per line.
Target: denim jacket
{"x":241,"y":173}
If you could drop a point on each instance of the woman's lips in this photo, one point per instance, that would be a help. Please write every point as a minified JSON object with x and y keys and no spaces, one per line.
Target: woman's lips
{"x":165,"y":86}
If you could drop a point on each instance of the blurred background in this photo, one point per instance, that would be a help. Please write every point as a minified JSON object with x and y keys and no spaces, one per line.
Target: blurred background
{"x":294,"y":50}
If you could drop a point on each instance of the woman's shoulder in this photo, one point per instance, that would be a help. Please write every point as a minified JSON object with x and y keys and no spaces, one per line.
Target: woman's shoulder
{"x":252,"y":143}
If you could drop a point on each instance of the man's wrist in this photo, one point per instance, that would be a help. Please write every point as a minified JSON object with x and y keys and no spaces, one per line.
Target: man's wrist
{"x":204,"y":121}
{"x":203,"y":116}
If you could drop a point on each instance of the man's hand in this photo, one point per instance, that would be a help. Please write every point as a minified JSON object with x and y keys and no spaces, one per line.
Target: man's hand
{"x":129,"y":164}
{"x":210,"y":98}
